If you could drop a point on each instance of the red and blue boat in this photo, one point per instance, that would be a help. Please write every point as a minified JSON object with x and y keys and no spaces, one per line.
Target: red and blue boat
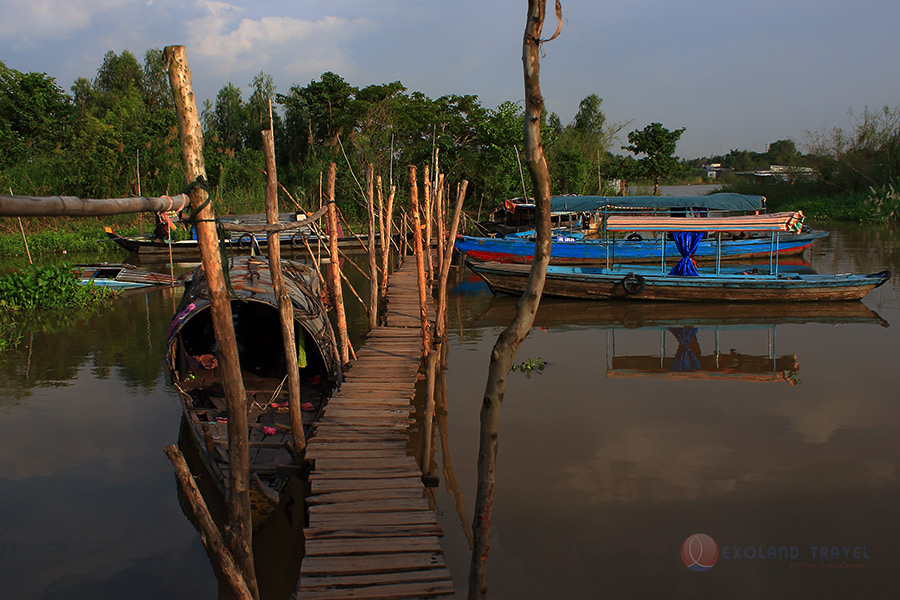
{"x":579,"y":247}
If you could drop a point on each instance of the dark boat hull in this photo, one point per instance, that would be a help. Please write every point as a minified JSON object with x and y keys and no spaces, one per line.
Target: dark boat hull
{"x":602,"y":284}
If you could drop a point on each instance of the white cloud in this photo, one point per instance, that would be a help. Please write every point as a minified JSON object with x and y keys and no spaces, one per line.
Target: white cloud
{"x":27,"y":21}
{"x":227,"y":43}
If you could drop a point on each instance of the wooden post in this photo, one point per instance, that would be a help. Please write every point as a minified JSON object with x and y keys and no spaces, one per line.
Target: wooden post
{"x":209,"y":533}
{"x":386,"y":245}
{"x":239,"y":531}
{"x":426,"y":212}
{"x":285,"y":306}
{"x":420,"y":262}
{"x":335,"y":266}
{"x":441,"y":312}
{"x":373,"y":267}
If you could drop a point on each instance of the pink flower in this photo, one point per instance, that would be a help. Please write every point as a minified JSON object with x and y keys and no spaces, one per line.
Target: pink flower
{"x":269,"y":430}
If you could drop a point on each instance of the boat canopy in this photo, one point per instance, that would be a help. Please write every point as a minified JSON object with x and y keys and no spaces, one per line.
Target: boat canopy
{"x":782,"y":221}
{"x":720,"y":201}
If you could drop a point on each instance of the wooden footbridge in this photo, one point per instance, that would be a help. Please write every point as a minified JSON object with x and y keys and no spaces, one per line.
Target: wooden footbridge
{"x":372,"y":533}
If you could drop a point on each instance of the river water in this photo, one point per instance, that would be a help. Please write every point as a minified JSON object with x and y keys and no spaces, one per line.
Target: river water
{"x":773,"y":433}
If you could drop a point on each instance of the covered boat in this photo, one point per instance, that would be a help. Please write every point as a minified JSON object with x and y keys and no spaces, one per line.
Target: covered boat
{"x":572,"y":247}
{"x":193,"y":364}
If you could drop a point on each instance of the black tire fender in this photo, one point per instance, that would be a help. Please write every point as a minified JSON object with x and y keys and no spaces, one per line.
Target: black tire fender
{"x":633,"y":283}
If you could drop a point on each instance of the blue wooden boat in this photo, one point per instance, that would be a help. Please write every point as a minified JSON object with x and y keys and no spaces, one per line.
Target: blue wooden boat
{"x":120,"y":276}
{"x":574,"y":248}
{"x":685,"y":282}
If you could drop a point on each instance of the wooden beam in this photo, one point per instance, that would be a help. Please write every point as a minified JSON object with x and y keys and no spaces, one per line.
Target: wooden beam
{"x":70,"y":206}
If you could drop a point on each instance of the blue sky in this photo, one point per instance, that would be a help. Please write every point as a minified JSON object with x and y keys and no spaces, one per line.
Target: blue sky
{"x":735,"y":75}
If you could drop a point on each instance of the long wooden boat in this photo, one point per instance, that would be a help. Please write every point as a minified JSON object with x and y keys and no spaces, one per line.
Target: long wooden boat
{"x":145,"y":245}
{"x":573,"y":248}
{"x":598,"y":283}
{"x":120,"y":276}
{"x":685,"y":282}
{"x":193,"y":364}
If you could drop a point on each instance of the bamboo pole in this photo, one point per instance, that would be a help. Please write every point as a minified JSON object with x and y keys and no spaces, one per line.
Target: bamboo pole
{"x":440,"y":329}
{"x":70,"y":206}
{"x":239,"y":531}
{"x":439,"y":220}
{"x":420,"y":262}
{"x":285,"y":306}
{"x":24,"y":239}
{"x":426,"y":212}
{"x":386,"y":248}
{"x":335,"y":266}
{"x":373,"y":268}
{"x":209,"y":533}
{"x":378,"y":190}
{"x":441,"y":316}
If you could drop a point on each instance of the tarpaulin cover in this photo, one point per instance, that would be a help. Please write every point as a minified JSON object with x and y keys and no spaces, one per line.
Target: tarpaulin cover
{"x":686,"y":242}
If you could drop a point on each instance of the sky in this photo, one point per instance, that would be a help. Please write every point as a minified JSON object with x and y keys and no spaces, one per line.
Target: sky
{"x":735,"y":75}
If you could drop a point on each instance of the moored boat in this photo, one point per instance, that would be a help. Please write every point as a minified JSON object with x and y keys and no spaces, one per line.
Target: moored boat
{"x":193,"y":364}
{"x":685,"y":282}
{"x":574,"y":248}
{"x":120,"y":276}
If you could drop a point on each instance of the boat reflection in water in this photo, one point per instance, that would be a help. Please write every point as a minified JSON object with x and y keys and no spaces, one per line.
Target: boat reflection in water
{"x":688,"y":361}
{"x":685,"y":331}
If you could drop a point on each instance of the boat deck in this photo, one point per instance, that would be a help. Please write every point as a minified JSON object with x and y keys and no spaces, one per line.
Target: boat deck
{"x":372,"y":533}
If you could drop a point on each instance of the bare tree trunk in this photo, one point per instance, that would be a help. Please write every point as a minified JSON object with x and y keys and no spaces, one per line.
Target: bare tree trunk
{"x":285,"y":306}
{"x":511,"y":338}
{"x":239,"y":532}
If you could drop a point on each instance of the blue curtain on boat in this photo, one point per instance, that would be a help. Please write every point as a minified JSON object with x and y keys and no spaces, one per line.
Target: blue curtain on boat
{"x":685,"y":357}
{"x":687,"y":243}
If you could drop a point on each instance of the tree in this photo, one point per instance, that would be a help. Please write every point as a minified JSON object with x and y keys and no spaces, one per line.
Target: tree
{"x":504,"y":351}
{"x":658,"y":144}
{"x":783,"y":152}
{"x":576,"y":152}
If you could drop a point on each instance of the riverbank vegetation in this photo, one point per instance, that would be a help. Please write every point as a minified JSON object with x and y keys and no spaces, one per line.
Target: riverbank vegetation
{"x":50,"y":287}
{"x":115,"y":135}
{"x":846,"y":174}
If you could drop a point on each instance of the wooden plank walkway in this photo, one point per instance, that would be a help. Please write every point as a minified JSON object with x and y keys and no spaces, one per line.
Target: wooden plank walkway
{"x":371,"y":531}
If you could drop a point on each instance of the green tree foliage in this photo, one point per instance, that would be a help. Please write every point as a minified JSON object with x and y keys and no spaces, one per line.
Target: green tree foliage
{"x":657,"y":144}
{"x":90,"y":144}
{"x":578,"y":153}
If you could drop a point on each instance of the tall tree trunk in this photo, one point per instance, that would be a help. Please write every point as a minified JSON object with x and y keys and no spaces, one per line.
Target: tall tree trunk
{"x":239,"y":531}
{"x":511,"y":338}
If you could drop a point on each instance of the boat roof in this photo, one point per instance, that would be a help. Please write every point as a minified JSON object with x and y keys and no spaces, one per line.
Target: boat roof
{"x":719,"y":201}
{"x":781,"y":221}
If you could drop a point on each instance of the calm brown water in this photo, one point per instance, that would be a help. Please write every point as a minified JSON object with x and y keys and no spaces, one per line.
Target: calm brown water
{"x":607,"y":461}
